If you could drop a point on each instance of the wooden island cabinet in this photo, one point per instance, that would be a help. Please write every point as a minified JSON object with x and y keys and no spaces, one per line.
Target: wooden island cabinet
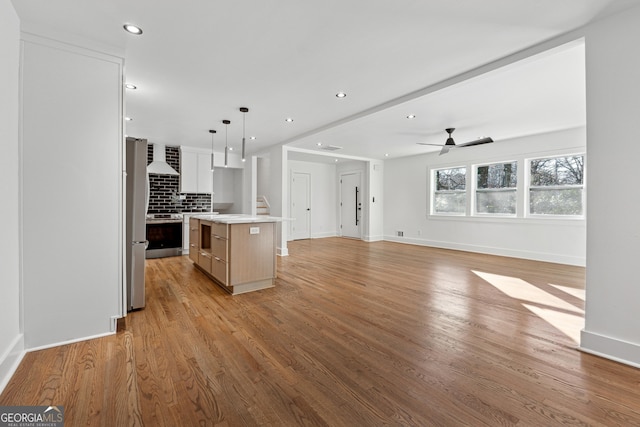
{"x":237,"y":251}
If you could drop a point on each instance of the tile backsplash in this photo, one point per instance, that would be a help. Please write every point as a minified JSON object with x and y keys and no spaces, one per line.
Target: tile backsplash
{"x":164,"y":195}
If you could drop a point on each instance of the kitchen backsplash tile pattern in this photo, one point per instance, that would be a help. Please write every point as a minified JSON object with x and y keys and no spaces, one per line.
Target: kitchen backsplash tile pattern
{"x":164,"y":195}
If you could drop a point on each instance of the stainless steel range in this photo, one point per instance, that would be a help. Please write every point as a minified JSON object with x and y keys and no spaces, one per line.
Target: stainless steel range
{"x":164,"y":233}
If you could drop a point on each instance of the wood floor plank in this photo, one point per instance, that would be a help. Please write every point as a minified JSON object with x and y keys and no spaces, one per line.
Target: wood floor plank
{"x":353,"y":334}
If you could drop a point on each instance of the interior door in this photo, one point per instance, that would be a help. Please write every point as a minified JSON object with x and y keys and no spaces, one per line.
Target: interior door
{"x":301,"y":205}
{"x":350,"y":205}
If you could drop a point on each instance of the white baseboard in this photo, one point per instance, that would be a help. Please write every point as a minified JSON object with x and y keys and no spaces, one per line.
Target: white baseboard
{"x":323,"y":235}
{"x":610,"y":348}
{"x":57,"y":344}
{"x":10,"y":361}
{"x":282,"y":251}
{"x":536,"y":256}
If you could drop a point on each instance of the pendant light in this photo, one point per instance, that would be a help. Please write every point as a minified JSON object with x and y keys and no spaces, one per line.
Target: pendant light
{"x":243,"y":110}
{"x":211,"y":131}
{"x":226,"y":142}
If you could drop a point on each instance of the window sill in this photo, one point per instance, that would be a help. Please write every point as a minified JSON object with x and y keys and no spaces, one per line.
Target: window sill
{"x":537,"y":220}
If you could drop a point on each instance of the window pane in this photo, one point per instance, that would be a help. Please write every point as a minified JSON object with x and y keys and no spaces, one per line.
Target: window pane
{"x":557,"y":171}
{"x":500,"y":175}
{"x":556,"y":202}
{"x":451,"y":179}
{"x":450,"y":202}
{"x":496,"y":202}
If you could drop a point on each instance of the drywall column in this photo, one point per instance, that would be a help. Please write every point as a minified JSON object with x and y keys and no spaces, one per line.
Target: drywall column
{"x":11,"y":338}
{"x":374,"y":226}
{"x":72,"y":196}
{"x":279,"y":190}
{"x":612,"y":322}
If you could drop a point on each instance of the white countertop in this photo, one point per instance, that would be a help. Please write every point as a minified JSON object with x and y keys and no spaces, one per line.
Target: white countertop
{"x":237,"y":218}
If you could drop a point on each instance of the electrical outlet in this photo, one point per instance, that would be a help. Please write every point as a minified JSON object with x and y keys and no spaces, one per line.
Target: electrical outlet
{"x":400,"y":233}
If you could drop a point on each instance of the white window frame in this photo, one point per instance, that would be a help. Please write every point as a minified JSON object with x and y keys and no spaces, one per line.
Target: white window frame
{"x":528,"y":187}
{"x":434,"y":191}
{"x":474,"y":200}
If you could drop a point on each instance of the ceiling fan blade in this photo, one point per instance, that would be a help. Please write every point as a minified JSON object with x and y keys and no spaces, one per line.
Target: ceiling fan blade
{"x":426,"y":143}
{"x":476,"y":142}
{"x":445,"y":149}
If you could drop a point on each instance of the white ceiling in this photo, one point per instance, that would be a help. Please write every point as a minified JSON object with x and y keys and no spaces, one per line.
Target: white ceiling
{"x":198,"y":61}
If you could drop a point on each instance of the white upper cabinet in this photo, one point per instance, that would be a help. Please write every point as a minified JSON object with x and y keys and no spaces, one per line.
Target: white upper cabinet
{"x":195,"y":171}
{"x":195,"y":168}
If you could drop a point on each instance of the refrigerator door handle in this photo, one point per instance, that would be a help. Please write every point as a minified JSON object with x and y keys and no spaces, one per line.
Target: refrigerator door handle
{"x":141,"y":242}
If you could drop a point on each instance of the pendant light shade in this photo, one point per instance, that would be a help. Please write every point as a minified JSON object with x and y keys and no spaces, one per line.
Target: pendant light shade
{"x":226,"y":142}
{"x":212,"y":132}
{"x":243,"y":110}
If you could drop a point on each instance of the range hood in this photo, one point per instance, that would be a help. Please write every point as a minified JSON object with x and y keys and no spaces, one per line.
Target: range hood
{"x":159,"y":164}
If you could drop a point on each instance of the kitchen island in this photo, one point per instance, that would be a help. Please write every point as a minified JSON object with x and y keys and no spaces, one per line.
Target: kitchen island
{"x":237,"y":251}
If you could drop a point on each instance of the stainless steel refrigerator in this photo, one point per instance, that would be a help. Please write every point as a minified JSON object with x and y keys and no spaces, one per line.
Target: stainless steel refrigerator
{"x":136,"y":208}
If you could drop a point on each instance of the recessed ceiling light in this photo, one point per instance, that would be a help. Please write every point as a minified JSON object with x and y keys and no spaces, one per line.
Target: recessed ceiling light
{"x":319,"y":144}
{"x":130,"y":86}
{"x":336,"y":160}
{"x":411,"y":116}
{"x":129,"y":119}
{"x":252,"y":138}
{"x":288,"y":120}
{"x":133,"y":29}
{"x":386,"y":154}
{"x":341,"y":95}
{"x":230,"y":148}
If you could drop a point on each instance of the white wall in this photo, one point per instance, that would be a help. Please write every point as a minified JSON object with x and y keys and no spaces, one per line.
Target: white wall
{"x":279,"y":190}
{"x":11,"y":338}
{"x":242,"y":204}
{"x":612,"y":319}
{"x":406,"y":205}
{"x":374,"y":203}
{"x":228,"y":188}
{"x":72,"y":142}
{"x":323,"y":195}
{"x":263,"y":174}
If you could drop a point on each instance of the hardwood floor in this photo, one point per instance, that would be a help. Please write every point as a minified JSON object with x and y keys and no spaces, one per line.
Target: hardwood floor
{"x":353,"y":334}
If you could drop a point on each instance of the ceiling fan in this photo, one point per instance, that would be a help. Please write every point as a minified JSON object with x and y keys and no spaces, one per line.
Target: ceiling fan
{"x":451,"y":143}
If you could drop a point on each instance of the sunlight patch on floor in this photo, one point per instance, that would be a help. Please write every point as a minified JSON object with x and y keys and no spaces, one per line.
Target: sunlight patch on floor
{"x":559,"y":313}
{"x":578,"y":293}
{"x":568,"y":324}
{"x":519,"y":289}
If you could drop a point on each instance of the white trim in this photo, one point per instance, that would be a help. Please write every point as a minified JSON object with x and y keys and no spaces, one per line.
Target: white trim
{"x":10,"y":361}
{"x":72,"y":341}
{"x":511,"y":253}
{"x":509,"y":219}
{"x":610,"y":348}
{"x":368,"y":238}
{"x":324,"y":235}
